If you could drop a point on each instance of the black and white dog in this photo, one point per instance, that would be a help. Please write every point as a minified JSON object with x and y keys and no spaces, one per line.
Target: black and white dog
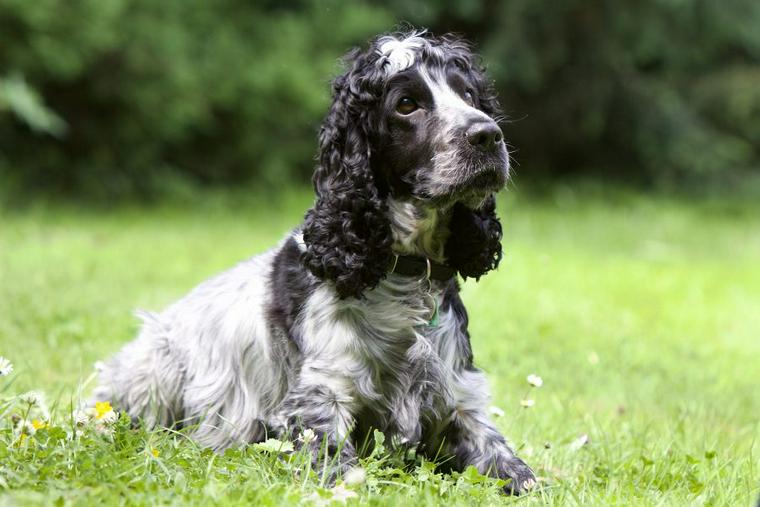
{"x":354,"y":321}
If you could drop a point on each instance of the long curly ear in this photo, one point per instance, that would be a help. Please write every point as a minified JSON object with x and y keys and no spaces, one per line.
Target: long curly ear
{"x":474,"y":244}
{"x":347,"y":232}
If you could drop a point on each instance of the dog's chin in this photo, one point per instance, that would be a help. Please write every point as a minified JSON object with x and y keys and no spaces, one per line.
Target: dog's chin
{"x":483,"y":183}
{"x":473,"y":190}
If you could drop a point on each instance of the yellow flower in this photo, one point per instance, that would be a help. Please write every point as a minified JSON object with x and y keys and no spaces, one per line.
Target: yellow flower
{"x":102,"y":409}
{"x":154,"y":452}
{"x":38,"y":425}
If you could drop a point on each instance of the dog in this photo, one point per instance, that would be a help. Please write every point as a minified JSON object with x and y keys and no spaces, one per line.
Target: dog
{"x":354,"y":321}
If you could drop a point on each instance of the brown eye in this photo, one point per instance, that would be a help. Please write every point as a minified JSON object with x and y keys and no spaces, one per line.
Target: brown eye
{"x":406,"y":105}
{"x":468,"y":98}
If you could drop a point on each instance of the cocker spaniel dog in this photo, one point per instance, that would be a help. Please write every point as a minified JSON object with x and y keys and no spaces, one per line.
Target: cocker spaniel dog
{"x":354,"y":321}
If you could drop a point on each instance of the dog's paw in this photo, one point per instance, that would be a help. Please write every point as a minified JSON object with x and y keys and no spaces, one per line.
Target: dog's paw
{"x":520,"y":476}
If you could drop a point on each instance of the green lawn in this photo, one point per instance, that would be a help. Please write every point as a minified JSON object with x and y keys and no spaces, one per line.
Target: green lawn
{"x":641,"y":314}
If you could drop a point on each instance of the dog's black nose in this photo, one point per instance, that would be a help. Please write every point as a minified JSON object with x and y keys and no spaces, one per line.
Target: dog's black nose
{"x":484,"y":135}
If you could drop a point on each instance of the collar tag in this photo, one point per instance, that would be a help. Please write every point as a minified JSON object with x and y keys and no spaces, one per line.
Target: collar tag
{"x":434,"y":318}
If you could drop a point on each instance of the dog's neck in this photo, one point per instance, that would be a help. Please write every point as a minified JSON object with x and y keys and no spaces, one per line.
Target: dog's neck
{"x":418,"y":229}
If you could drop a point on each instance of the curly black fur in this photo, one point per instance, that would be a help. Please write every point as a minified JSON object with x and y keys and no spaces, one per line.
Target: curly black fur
{"x":347,"y":232}
{"x":474,"y":244}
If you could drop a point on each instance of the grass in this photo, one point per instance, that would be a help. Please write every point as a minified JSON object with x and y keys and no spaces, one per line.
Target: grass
{"x":641,"y":313}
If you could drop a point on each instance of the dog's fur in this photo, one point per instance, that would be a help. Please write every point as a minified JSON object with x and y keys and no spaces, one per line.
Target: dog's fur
{"x":316,"y":333}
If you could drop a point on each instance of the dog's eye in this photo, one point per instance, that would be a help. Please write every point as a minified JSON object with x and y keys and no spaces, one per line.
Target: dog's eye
{"x":406,"y":105}
{"x":468,"y":98}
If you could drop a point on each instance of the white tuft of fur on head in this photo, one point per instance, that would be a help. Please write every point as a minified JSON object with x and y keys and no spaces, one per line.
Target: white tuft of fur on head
{"x":399,"y":54}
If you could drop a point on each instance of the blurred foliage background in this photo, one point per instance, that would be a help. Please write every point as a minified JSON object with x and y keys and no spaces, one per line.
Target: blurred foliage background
{"x":109,"y":99}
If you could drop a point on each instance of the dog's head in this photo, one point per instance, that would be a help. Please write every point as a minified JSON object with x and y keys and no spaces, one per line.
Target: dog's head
{"x":413,"y":119}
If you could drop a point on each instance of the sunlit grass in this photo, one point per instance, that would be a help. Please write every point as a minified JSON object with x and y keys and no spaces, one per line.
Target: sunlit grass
{"x":641,"y":315}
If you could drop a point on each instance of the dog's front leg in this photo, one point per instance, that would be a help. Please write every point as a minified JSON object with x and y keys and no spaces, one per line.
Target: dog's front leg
{"x":318,"y":411}
{"x":472,"y":439}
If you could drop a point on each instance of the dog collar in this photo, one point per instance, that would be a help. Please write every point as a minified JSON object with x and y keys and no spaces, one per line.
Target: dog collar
{"x":422,"y":267}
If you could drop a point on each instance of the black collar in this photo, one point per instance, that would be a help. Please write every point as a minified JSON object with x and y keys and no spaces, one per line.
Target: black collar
{"x":421,"y":267}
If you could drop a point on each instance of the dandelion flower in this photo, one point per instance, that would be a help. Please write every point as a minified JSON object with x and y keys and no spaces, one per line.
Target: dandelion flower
{"x":38,"y":425}
{"x":104,"y":412}
{"x":527,"y":403}
{"x":535,"y":380}
{"x":6,"y":367}
{"x":155,"y":452}
{"x":102,"y":408}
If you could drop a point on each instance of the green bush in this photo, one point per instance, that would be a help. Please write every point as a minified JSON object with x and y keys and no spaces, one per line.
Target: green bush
{"x":121,"y":97}
{"x":222,"y":91}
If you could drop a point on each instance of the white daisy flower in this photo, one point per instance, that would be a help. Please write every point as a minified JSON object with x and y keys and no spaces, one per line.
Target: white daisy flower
{"x":6,"y":367}
{"x":495,"y":411}
{"x":527,"y":403}
{"x":340,"y":493}
{"x":25,"y":427}
{"x":33,"y":398}
{"x":356,"y":475}
{"x":307,"y":436}
{"x":535,"y":380}
{"x":83,"y":417}
{"x":579,"y":442}
{"x":104,"y":413}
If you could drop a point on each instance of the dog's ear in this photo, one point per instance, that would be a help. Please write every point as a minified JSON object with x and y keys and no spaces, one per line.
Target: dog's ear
{"x":347,"y":233}
{"x":474,"y":244}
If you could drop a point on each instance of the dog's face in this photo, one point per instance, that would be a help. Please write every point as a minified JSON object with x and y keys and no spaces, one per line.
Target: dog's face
{"x":412,"y":118}
{"x":435,"y":143}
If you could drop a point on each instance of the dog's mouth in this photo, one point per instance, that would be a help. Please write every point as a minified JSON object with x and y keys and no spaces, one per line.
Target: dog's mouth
{"x":480,"y":183}
{"x":474,"y":189}
{"x":472,"y":185}
{"x":490,"y":179}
